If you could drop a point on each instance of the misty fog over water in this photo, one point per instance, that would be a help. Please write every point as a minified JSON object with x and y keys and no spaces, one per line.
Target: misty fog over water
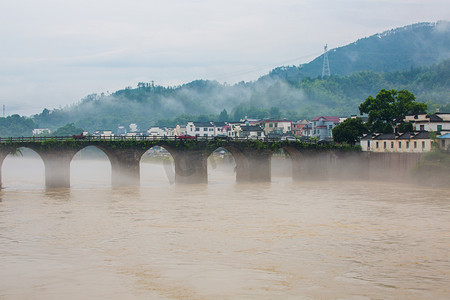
{"x":221,"y":240}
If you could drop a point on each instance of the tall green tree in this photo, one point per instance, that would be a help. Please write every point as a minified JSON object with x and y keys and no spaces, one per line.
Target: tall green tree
{"x":67,"y":130}
{"x":349,"y":131}
{"x":223,"y":117}
{"x":388,"y":109}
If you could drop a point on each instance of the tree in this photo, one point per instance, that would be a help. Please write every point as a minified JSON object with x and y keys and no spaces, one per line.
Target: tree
{"x":388,"y":109}
{"x":223,"y":117}
{"x":67,"y":130}
{"x":349,"y":131}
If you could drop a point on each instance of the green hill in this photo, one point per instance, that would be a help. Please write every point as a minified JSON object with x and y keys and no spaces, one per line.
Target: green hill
{"x":412,"y":46}
{"x":410,"y":57}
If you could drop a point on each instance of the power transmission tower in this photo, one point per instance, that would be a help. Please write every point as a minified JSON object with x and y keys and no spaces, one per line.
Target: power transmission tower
{"x":326,"y":64}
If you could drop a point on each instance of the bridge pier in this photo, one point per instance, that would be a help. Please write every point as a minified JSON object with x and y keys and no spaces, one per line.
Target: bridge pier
{"x":190,"y":167}
{"x":253,"y":166}
{"x":57,"y":167}
{"x":125,"y":165}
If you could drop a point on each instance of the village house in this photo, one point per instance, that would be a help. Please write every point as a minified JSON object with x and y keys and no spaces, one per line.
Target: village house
{"x":179,"y":130}
{"x":297,"y":127}
{"x":408,"y":142}
{"x":103,"y":133}
{"x":200,"y":129}
{"x":159,"y":131}
{"x":444,"y":142}
{"x":275,"y":127}
{"x":251,"y":132}
{"x":234,"y":128}
{"x":438,"y":122}
{"x":38,"y":131}
{"x":321,"y":127}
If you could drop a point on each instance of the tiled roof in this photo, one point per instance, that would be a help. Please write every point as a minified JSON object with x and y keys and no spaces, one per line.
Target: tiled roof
{"x":327,"y":118}
{"x":434,"y":118}
{"x":422,"y":135}
{"x":203,"y":124}
{"x":406,"y":136}
{"x":385,"y":136}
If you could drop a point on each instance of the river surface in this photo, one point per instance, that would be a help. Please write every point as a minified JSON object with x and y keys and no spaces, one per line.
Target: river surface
{"x":282,"y":240}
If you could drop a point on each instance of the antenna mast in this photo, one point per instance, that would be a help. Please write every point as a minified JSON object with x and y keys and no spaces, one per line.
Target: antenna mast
{"x":326,"y":64}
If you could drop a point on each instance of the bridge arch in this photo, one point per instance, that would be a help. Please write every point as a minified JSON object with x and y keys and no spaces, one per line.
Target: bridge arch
{"x":221,"y":165}
{"x":157,"y":165}
{"x":22,"y":164}
{"x":90,"y":165}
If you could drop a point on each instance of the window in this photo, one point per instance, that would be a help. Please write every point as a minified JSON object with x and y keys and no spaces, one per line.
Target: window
{"x":443,"y":143}
{"x":205,"y":129}
{"x":368,"y":144}
{"x":439,"y":128}
{"x":400,"y":145}
{"x":385,"y":145}
{"x":197,"y":129}
{"x":270,"y":125}
{"x":423,"y":144}
{"x":392,"y":144}
{"x":415,"y":144}
{"x":422,"y":127}
{"x":211,"y":129}
{"x":407,"y":145}
{"x":377,"y":145}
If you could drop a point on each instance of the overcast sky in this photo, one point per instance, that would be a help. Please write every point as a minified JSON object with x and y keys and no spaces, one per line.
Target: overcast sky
{"x":53,"y":53}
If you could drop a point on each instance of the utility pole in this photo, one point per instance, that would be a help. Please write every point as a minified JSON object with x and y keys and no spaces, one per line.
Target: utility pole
{"x":326,"y":65}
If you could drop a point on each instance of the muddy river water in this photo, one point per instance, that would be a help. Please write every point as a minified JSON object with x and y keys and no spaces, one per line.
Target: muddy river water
{"x":282,"y":240}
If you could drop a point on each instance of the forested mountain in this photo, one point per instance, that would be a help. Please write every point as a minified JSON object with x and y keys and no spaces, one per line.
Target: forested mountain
{"x":414,"y":55}
{"x":412,"y":46}
{"x":149,"y":105}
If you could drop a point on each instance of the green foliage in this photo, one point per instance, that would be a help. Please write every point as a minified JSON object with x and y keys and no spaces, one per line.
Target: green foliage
{"x":67,"y":130}
{"x":16,"y":125}
{"x":389,"y":108}
{"x":349,"y":131}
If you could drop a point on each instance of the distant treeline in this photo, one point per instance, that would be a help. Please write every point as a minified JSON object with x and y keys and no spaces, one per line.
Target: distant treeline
{"x":271,"y":96}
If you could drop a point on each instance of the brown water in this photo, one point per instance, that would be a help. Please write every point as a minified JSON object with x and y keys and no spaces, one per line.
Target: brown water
{"x":283,"y":240}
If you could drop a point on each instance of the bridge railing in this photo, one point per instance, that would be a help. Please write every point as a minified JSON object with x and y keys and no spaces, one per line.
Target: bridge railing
{"x":9,"y":140}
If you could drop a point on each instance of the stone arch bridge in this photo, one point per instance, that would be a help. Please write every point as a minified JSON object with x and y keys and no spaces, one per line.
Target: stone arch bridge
{"x":252,"y":157}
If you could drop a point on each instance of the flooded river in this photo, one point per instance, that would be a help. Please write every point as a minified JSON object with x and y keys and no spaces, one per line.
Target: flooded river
{"x":283,"y":240}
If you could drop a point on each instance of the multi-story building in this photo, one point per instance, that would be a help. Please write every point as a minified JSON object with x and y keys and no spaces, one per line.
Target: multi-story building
{"x":297,"y":127}
{"x":251,"y":131}
{"x":321,"y":127}
{"x":275,"y":127}
{"x":201,"y":129}
{"x":438,"y":122}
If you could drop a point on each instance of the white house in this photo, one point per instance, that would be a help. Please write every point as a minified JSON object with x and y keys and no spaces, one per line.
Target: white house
{"x":200,"y":129}
{"x":416,"y":142}
{"x":159,"y":131}
{"x":38,"y":131}
{"x":103,"y":133}
{"x":438,"y":122}
{"x":251,"y":131}
{"x":321,"y":127}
